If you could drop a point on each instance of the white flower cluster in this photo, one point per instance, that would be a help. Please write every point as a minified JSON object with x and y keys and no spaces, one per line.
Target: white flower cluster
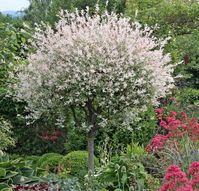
{"x":104,"y":59}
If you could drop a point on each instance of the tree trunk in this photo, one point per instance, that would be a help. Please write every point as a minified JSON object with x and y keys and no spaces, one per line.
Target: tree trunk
{"x":91,"y":152}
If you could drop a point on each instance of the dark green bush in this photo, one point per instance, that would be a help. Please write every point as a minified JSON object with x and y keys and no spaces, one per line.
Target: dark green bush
{"x":144,"y":126}
{"x":50,"y":162}
{"x":188,"y":99}
{"x":6,"y":139}
{"x":76,"y":140}
{"x":189,"y":96}
{"x":76,"y":163}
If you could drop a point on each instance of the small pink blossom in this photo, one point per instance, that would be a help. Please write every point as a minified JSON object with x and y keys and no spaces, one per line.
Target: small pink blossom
{"x":159,"y":110}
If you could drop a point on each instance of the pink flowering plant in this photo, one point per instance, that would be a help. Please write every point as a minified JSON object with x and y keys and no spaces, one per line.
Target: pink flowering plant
{"x":176,"y":180}
{"x":178,"y":140}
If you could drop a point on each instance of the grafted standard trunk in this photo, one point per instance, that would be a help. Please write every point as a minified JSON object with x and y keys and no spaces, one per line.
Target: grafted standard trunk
{"x":92,"y":121}
{"x":91,"y":138}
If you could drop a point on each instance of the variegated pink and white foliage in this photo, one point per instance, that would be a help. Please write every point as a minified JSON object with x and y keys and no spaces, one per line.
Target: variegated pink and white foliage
{"x":103,"y":60}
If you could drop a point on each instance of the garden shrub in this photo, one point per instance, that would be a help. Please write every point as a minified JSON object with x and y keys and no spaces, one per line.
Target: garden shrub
{"x":76,"y":140}
{"x":126,"y":171}
{"x":189,"y":96}
{"x":50,"y":162}
{"x":5,"y":134}
{"x":144,"y":126}
{"x":42,"y":134}
{"x":77,"y":163}
{"x":189,"y":101}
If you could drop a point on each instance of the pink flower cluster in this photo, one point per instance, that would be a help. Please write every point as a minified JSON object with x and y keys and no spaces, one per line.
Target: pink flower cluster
{"x":157,"y":143}
{"x":176,"y":180}
{"x":176,"y":126}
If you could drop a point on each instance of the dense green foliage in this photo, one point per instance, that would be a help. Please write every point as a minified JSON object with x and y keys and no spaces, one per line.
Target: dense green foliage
{"x":178,"y":19}
{"x":76,"y":163}
{"x":46,"y":158}
{"x":126,"y":172}
{"x":5,"y":134}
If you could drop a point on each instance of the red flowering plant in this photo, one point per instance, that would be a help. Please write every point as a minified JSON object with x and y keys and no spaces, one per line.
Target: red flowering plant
{"x":177,"y":180}
{"x":177,"y":139}
{"x":174,"y":178}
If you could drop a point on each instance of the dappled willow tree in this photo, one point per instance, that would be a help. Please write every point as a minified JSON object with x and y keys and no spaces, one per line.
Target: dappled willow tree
{"x":97,"y":66}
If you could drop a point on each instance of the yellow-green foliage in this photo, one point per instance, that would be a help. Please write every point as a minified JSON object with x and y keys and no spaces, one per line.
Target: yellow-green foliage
{"x":153,"y":183}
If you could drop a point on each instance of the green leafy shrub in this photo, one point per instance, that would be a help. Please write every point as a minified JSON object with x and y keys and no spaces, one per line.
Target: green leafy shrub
{"x":144,"y":126}
{"x":125,"y":172}
{"x":50,"y":162}
{"x":5,"y":134}
{"x":189,"y":96}
{"x":77,"y":163}
{"x":76,"y":139}
{"x":37,"y":133}
{"x":188,"y":99}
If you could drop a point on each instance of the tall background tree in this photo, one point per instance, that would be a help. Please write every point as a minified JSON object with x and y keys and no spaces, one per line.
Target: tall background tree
{"x":47,"y":10}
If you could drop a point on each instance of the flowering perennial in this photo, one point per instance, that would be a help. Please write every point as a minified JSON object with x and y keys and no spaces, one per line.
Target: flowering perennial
{"x":176,"y":180}
{"x":176,"y":126}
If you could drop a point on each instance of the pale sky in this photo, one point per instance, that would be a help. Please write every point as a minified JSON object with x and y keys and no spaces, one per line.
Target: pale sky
{"x":13,"y":5}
